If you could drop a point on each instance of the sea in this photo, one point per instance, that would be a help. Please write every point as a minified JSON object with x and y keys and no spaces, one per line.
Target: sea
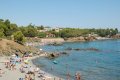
{"x":100,"y":64}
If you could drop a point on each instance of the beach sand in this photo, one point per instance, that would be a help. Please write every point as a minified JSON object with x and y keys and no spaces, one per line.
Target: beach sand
{"x":16,"y":74}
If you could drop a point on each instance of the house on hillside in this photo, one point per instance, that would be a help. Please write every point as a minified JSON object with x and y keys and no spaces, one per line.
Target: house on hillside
{"x":45,"y":29}
{"x":57,"y":29}
{"x":92,"y":35}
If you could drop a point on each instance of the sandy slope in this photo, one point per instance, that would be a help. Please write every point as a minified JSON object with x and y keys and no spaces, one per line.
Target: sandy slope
{"x":8,"y":47}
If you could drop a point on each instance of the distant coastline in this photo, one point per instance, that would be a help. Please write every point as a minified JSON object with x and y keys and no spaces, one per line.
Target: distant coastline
{"x":45,"y":41}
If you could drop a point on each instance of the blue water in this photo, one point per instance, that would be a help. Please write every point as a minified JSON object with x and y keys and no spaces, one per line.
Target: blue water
{"x":92,"y":65}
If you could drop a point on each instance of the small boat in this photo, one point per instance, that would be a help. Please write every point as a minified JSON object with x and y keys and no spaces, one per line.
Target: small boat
{"x":55,"y":62}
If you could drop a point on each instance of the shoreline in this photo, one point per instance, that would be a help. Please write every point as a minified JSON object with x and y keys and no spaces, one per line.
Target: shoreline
{"x":8,"y":73}
{"x":48,"y":74}
{"x":98,"y":41}
{"x":17,"y":74}
{"x":45,"y":43}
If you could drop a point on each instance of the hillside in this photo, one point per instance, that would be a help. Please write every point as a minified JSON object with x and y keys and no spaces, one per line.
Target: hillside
{"x":8,"y":47}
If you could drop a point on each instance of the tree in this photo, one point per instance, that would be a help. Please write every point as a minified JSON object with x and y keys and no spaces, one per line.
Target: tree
{"x":41,"y":35}
{"x":1,"y":20}
{"x":7,"y":23}
{"x":116,"y":30}
{"x":11,"y":29}
{"x":113,"y":31}
{"x":1,"y":34}
{"x":19,"y":37}
{"x":40,"y":27}
{"x":23,"y":30}
{"x":30,"y":31}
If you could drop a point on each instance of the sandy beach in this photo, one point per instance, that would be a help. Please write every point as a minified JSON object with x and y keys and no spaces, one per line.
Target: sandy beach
{"x":16,"y":74}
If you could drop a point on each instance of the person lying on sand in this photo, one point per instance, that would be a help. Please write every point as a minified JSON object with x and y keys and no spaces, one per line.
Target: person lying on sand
{"x":37,"y":69}
{"x":1,"y":72}
{"x":22,"y":69}
{"x":7,"y":63}
{"x":28,"y":77}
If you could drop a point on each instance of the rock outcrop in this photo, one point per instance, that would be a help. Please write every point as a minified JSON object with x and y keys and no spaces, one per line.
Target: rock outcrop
{"x":80,"y":39}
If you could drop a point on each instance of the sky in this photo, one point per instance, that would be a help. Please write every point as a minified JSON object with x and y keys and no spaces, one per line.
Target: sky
{"x":63,"y":13}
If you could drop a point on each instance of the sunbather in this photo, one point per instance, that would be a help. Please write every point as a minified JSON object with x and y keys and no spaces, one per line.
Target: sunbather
{"x":22,"y":69}
{"x":1,"y":72}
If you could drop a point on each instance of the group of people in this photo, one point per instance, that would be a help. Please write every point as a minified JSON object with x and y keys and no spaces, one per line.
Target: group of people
{"x":29,"y":71}
{"x":77,"y":76}
{"x":11,"y":63}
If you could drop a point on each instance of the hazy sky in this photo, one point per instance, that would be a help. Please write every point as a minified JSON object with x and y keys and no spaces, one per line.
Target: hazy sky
{"x":66,"y":13}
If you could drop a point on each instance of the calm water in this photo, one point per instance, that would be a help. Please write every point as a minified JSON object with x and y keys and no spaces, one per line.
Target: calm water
{"x":93,"y":65}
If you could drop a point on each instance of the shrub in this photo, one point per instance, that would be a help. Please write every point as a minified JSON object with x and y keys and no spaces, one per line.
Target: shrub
{"x":19,"y":37}
{"x":41,"y":35}
{"x":1,"y":34}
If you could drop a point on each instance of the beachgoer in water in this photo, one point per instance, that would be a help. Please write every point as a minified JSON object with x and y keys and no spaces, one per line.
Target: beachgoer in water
{"x":77,"y":76}
{"x":68,"y":76}
{"x":51,"y":68}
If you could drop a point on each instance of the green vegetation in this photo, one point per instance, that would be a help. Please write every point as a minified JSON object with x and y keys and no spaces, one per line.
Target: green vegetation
{"x":57,"y":34}
{"x":1,"y":32}
{"x":105,"y":32}
{"x":29,"y":31}
{"x":7,"y":29}
{"x":74,"y":32}
{"x":40,"y":27}
{"x":41,"y":34}
{"x":19,"y":37}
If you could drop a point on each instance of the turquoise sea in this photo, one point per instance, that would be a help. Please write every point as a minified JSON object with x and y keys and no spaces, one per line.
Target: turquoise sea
{"x":92,"y":65}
